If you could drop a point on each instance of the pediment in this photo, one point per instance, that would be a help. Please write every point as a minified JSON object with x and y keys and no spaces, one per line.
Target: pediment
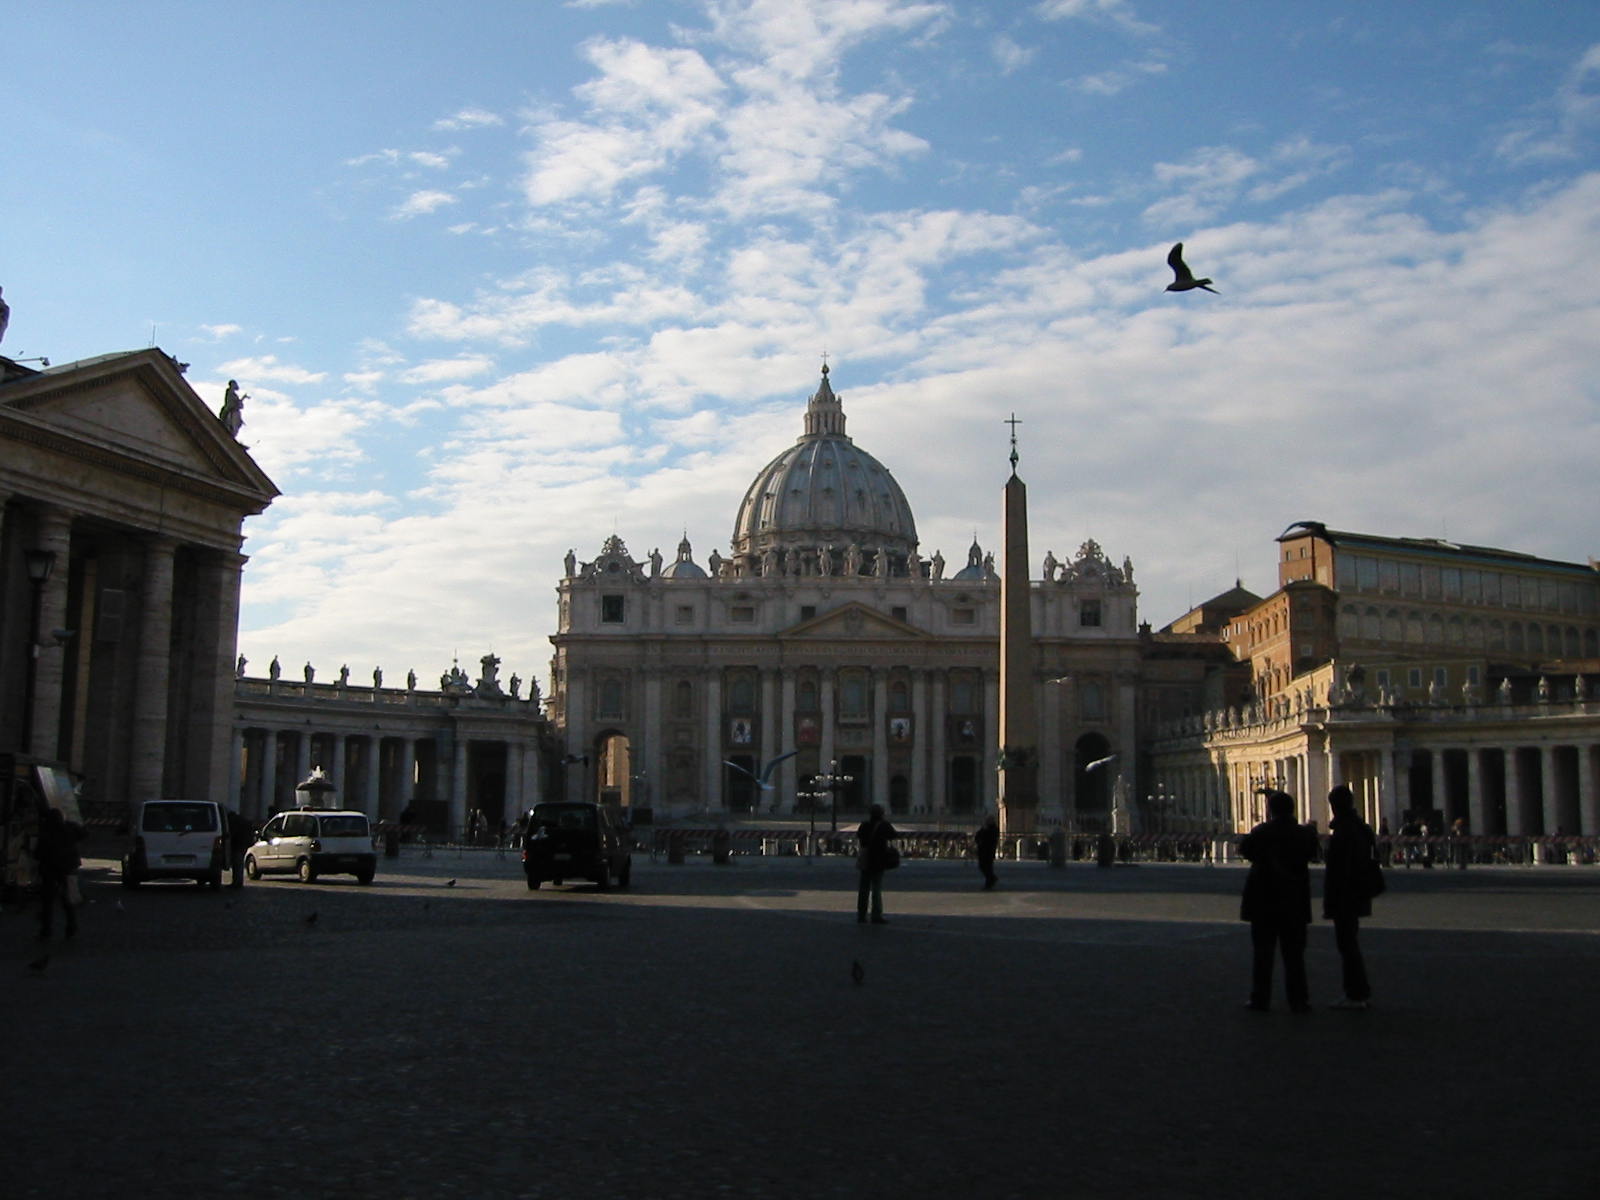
{"x":854,"y":622}
{"x":137,"y":410}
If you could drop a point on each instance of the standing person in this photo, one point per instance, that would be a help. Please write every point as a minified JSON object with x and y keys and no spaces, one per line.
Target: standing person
{"x":57,"y":853}
{"x":987,"y":843}
{"x":241,"y":836}
{"x":1346,"y":891}
{"x":1277,"y":901}
{"x":872,"y":861}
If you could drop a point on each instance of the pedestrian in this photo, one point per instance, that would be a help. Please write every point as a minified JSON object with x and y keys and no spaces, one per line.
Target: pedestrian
{"x":874,"y":857}
{"x":241,"y":836}
{"x":56,"y":850}
{"x":1347,"y":891}
{"x":986,"y":842}
{"x":1277,"y":902}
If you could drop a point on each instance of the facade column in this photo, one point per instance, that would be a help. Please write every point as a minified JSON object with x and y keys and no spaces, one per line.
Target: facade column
{"x":1475,"y":817}
{"x":511,"y":801}
{"x":50,"y":658}
{"x":1588,"y":803}
{"x":1549,"y":792}
{"x":370,"y":789}
{"x":236,"y":772}
{"x":1050,"y":790}
{"x":825,"y":718}
{"x":652,"y":761}
{"x":880,"y":737}
{"x":302,"y":757}
{"x":988,"y":777}
{"x":938,"y":765}
{"x":1516,"y":815}
{"x":215,"y":642}
{"x":336,"y":775}
{"x":405,"y":780}
{"x":712,"y":778}
{"x":787,"y":781}
{"x":147,"y":758}
{"x":921,"y":736}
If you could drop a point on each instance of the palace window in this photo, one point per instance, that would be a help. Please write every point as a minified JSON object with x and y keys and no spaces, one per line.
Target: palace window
{"x":612,"y":608}
{"x":685,"y":614}
{"x":742,"y":614}
{"x":1089,"y":614}
{"x":610,"y":699}
{"x":805,"y":696}
{"x":742,"y":695}
{"x":683,"y":698}
{"x":963,"y":616}
{"x":852,"y":695}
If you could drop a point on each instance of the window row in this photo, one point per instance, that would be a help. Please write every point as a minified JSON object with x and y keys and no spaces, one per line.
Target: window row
{"x":1395,"y":627}
{"x":1465,"y":585}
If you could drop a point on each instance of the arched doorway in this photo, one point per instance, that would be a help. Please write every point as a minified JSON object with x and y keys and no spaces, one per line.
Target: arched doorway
{"x":613,"y":770}
{"x":1092,"y":790}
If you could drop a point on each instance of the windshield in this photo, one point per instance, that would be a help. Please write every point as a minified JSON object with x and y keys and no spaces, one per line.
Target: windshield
{"x":180,"y":818}
{"x":344,"y":827}
{"x":564,"y":816}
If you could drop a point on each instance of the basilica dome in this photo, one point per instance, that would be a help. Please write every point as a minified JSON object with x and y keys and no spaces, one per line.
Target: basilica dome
{"x":825,"y":506}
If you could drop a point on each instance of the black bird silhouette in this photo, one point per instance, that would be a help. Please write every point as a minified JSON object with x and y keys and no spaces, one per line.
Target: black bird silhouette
{"x":450,"y":883}
{"x":763,"y":779}
{"x":38,"y":965}
{"x":1184,"y":279}
{"x":857,"y":971}
{"x":311,"y":920}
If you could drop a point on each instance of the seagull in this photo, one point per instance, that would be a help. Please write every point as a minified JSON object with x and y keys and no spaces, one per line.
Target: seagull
{"x":857,"y":971}
{"x":1060,"y":679}
{"x":1185,"y":280}
{"x":577,"y":758}
{"x":763,"y":779}
{"x":1099,"y":762}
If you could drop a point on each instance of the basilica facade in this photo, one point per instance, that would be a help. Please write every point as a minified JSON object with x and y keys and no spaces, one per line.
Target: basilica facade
{"x":824,"y":644}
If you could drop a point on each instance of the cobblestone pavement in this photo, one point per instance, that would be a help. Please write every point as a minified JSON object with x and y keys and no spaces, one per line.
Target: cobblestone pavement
{"x":1075,"y":1032}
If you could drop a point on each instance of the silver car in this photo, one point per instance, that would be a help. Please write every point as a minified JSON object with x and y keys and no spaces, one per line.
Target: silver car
{"x":313,"y":842}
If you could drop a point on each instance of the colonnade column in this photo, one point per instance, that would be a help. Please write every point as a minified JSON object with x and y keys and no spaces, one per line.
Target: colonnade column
{"x":787,"y":781}
{"x":407,"y":778}
{"x":712,"y":775}
{"x":771,"y":740}
{"x":147,"y":758}
{"x":1475,"y":815}
{"x":49,"y":657}
{"x":1516,"y":818}
{"x":1588,"y":804}
{"x":458,"y":784}
{"x":370,"y":777}
{"x":336,"y":774}
{"x":1050,"y":751}
{"x":511,"y":801}
{"x":267,"y":787}
{"x":988,"y":777}
{"x":236,"y":771}
{"x":1548,"y":791}
{"x":651,"y":761}
{"x":825,"y":700}
{"x":923,"y":741}
{"x":939,"y":797}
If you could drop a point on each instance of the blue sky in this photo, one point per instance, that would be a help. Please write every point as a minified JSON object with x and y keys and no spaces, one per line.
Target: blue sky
{"x":508,"y":278}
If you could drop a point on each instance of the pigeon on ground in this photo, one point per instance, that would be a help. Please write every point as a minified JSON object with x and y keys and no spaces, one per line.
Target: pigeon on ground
{"x":857,"y":971}
{"x":311,"y":920}
{"x":450,"y":883}
{"x":38,"y":965}
{"x":1184,"y":279}
{"x":763,"y":780}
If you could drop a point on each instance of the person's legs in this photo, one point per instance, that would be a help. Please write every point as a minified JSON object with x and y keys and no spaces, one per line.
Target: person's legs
{"x":1292,"y":937}
{"x":863,"y":894}
{"x":1346,"y":935}
{"x":1264,"y":944}
{"x":876,"y":881}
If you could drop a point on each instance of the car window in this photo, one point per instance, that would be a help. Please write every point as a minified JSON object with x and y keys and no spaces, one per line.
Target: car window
{"x":565,"y":816}
{"x":180,"y":818}
{"x":299,"y":825}
{"x":344,"y":826}
{"x":274,"y":828}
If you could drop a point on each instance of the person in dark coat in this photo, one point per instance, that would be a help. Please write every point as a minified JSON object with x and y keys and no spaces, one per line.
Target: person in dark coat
{"x":1277,"y":901}
{"x":1346,"y":895}
{"x":57,"y":853}
{"x":872,"y":861}
{"x":986,"y":844}
{"x":241,"y":836}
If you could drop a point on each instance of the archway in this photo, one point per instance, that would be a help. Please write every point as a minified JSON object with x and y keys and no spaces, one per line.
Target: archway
{"x":612,"y":765}
{"x":1091,"y":790}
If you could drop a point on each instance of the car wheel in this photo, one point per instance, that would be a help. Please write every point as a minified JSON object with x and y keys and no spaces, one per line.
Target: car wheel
{"x":603,"y":880}
{"x":129,"y":879}
{"x":533,"y":883}
{"x":627,"y":873}
{"x":364,"y":876}
{"x":308,"y":873}
{"x":251,"y":870}
{"x":214,"y":881}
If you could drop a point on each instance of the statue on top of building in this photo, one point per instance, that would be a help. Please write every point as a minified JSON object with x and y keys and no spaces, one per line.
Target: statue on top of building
{"x":232,"y":413}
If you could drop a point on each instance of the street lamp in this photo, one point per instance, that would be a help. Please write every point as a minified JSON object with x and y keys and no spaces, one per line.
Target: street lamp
{"x":833,"y":781}
{"x":811,"y":799}
{"x":39,"y":563}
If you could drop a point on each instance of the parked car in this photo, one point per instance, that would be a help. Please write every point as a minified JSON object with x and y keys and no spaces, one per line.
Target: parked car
{"x":177,"y":839}
{"x":313,"y":842}
{"x":575,"y":840}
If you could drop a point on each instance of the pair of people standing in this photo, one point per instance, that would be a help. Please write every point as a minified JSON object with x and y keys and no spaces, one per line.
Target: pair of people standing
{"x":1277,"y":897}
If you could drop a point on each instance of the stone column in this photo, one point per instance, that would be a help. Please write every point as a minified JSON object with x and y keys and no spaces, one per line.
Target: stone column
{"x":533,"y":776}
{"x":147,"y":757}
{"x":458,"y":785}
{"x":1476,"y":822}
{"x":236,"y":799}
{"x":825,"y":717}
{"x":880,"y":737}
{"x":938,"y":766}
{"x":49,"y":658}
{"x":652,"y":760}
{"x":787,"y":779}
{"x":370,"y":789}
{"x":922,"y":736}
{"x":216,"y":645}
{"x":267,"y":789}
{"x":988,"y":777}
{"x":302,"y":759}
{"x":1588,"y":803}
{"x":511,"y":801}
{"x":1516,"y":813}
{"x":712,"y":776}
{"x":406,"y":779}
{"x":336,"y":771}
{"x":1051,"y":731}
{"x":1549,"y":789}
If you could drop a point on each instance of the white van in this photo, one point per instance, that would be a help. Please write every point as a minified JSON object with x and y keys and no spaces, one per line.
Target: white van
{"x":177,"y":839}
{"x":312,"y":842}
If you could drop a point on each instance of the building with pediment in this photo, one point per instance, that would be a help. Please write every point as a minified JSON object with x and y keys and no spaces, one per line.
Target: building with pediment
{"x":123,"y":498}
{"x":825,"y":631}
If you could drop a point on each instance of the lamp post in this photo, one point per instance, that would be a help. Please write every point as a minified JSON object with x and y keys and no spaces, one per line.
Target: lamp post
{"x":39,"y":564}
{"x":811,"y":799}
{"x":833,"y":781}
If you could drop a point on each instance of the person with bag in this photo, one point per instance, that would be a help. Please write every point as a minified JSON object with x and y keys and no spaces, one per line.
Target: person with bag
{"x":874,"y":857}
{"x":1350,"y":880}
{"x":1277,"y":901}
{"x":57,"y":851}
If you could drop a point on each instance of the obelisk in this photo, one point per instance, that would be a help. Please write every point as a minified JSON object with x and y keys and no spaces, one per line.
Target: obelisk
{"x":1019,"y":722}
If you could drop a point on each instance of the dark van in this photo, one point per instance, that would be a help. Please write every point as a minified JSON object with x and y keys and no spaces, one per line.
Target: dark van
{"x":576,"y":840}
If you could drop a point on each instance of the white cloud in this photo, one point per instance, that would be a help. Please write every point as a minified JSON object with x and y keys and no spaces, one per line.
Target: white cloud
{"x":469,"y":118}
{"x":421,"y":203}
{"x":1117,"y":14}
{"x":1571,"y":120}
{"x":218,"y":332}
{"x":267,"y":368}
{"x":446,"y":370}
{"x":1009,"y":55}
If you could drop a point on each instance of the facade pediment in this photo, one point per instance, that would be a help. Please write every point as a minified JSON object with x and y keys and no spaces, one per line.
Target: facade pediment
{"x":136,"y":414}
{"x":854,"y":622}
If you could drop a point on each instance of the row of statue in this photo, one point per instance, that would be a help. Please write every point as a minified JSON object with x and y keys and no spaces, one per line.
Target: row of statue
{"x":455,"y":681}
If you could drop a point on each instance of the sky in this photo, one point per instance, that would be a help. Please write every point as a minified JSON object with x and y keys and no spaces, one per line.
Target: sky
{"x":503,"y":279}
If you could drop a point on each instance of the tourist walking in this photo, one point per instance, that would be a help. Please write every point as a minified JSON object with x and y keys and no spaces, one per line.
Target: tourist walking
{"x":57,"y":853}
{"x":1277,"y":902}
{"x":986,"y":844}
{"x":874,"y":857}
{"x":1347,"y":890}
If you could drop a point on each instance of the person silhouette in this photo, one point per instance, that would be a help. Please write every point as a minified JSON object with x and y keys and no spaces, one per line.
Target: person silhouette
{"x":1346,"y":895}
{"x":1277,"y":902}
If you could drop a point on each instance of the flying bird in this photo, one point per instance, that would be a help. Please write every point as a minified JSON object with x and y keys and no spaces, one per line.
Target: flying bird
{"x":1184,"y":279}
{"x":1100,"y":762}
{"x":577,"y":758}
{"x":763,"y":780}
{"x":857,"y":971}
